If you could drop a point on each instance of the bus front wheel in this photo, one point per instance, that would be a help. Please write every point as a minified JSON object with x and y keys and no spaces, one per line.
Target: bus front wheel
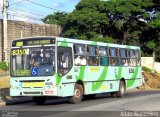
{"x":122,"y":89}
{"x":39,"y":100}
{"x":78,"y":93}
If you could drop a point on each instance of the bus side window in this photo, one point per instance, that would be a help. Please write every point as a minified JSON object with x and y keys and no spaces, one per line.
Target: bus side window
{"x":79,"y":49}
{"x":123,"y":57}
{"x":132,"y":57}
{"x":79,"y":55}
{"x":93,"y":59}
{"x":114,"y":56}
{"x":64,"y":60}
{"x":103,"y":52}
{"x":138,"y":58}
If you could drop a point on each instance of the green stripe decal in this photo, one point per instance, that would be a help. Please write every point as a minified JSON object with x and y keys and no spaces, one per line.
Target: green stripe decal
{"x":58,"y":79}
{"x":64,"y":43}
{"x":94,"y":43}
{"x":81,"y":73}
{"x":133,"y":78}
{"x":97,"y":85}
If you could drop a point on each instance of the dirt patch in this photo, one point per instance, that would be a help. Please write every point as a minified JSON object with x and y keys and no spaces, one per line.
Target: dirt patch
{"x":4,"y":82}
{"x":152,"y":81}
{"x":2,"y":71}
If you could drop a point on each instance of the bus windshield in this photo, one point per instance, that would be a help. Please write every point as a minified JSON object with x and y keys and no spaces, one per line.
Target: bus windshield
{"x":33,"y":61}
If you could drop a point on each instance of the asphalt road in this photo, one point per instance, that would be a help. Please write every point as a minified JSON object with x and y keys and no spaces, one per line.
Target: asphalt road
{"x":135,"y":103}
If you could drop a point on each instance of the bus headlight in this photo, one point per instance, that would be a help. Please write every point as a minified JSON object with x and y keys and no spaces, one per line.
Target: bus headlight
{"x":16,"y":85}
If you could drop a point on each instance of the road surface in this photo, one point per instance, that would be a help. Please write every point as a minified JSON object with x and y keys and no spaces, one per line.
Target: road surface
{"x":135,"y":103}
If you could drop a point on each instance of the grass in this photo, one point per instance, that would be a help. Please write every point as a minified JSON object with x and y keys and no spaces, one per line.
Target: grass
{"x":146,"y":69}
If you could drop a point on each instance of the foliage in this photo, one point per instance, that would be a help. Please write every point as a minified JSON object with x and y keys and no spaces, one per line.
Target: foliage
{"x":146,"y":69}
{"x":117,"y":19}
{"x":133,"y":22}
{"x":56,"y":18}
{"x":3,"y":66}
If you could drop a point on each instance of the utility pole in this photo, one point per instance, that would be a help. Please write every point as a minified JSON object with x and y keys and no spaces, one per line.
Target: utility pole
{"x":5,"y":37}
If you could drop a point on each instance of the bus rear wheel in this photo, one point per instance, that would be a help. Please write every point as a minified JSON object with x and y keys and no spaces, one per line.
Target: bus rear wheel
{"x":78,"y":93}
{"x":39,"y":100}
{"x":122,"y":89}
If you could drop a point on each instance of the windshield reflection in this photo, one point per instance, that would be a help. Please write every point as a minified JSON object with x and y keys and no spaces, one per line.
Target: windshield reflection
{"x":34,"y":62}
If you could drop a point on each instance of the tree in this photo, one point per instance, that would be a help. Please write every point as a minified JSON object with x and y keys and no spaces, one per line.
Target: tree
{"x":118,"y":19}
{"x":133,"y":22}
{"x":127,"y":18}
{"x":151,"y":33}
{"x":86,"y":22}
{"x":56,"y":18}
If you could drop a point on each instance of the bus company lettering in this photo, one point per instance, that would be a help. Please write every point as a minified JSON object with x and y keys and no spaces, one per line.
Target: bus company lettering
{"x":104,"y":87}
{"x":33,"y":84}
{"x":94,"y":69}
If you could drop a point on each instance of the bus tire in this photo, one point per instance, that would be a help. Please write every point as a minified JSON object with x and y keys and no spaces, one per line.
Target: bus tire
{"x":78,"y":94}
{"x":122,"y":89}
{"x":39,"y":100}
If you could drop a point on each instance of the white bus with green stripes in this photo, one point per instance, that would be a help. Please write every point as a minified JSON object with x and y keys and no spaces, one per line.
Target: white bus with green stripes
{"x":43,"y":67}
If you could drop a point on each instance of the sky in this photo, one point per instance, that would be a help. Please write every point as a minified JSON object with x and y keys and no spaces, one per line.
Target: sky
{"x":34,"y":10}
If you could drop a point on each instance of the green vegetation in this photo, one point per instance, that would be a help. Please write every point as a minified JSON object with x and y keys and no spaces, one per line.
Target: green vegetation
{"x":146,"y":69}
{"x":133,"y":22}
{"x":3,"y":65}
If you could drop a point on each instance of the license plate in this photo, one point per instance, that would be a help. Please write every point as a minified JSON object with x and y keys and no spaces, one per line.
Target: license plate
{"x":33,"y":84}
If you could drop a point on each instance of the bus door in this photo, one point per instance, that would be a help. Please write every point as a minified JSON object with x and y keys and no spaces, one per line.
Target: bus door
{"x":65,"y":72}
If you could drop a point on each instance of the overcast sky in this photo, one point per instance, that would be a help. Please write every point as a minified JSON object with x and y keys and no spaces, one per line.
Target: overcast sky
{"x":35,"y":10}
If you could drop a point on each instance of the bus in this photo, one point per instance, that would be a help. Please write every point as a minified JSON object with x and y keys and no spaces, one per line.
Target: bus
{"x":44,"y":66}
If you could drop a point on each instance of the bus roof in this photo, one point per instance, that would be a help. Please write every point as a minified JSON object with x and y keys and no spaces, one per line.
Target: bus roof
{"x":78,"y":41}
{"x":69,"y":40}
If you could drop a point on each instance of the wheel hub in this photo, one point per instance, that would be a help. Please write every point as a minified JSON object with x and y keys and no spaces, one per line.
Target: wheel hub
{"x":77,"y":93}
{"x":122,"y":89}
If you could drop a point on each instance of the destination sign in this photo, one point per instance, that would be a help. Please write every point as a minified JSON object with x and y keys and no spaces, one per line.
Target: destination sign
{"x":39,"y":42}
{"x":35,"y":41}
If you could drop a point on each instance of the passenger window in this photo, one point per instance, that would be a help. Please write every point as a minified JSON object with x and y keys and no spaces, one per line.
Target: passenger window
{"x":114,"y":56}
{"x":64,"y":60}
{"x":132,"y":54}
{"x":93,"y":59}
{"x":80,"y":55}
{"x":124,"y":57}
{"x":132,"y":60}
{"x":103,"y":52}
{"x":138,"y":58}
{"x":79,"y":49}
